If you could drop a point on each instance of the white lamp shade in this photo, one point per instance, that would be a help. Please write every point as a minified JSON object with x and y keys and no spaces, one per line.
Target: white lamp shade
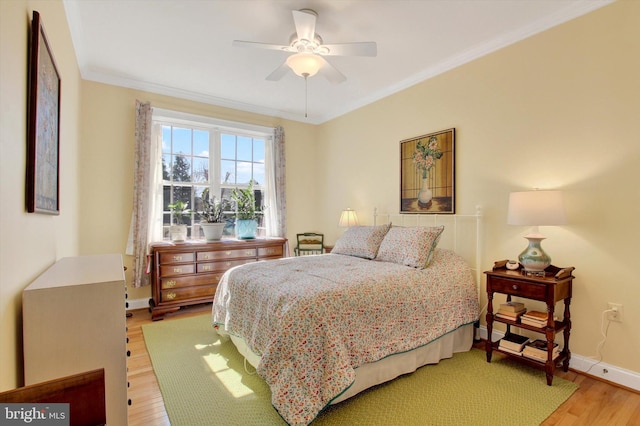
{"x":348,"y":218}
{"x":536,"y":208}
{"x":305,"y":64}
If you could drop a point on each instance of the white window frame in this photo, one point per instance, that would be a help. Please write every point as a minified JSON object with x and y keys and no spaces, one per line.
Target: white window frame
{"x":215,"y":127}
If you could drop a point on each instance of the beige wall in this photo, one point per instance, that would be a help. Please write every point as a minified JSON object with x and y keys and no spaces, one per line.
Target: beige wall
{"x":30,"y":243}
{"x":560,"y":110}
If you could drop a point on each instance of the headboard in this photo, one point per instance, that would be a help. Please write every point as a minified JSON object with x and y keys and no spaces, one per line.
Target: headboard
{"x":462,"y":233}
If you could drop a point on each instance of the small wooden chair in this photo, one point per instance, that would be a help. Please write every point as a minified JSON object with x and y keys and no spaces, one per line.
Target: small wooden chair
{"x":309,"y":243}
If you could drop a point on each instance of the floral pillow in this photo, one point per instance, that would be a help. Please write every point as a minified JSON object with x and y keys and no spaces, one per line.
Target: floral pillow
{"x":410,"y":246}
{"x":361,"y":241}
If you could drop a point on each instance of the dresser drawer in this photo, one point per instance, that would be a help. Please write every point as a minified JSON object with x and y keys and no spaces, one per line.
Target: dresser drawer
{"x":205,"y":267}
{"x":227,"y":254}
{"x":190,"y":281}
{"x":179,"y":294}
{"x":274,"y":251}
{"x":169,"y":258}
{"x":519,"y":288}
{"x":173,"y":270}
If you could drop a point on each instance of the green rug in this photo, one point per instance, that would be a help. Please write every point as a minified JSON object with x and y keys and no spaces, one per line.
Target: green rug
{"x":203,"y":382}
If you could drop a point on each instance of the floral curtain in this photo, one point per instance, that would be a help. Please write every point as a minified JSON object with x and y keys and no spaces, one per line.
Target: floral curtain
{"x":276,"y":203}
{"x":146,"y":223}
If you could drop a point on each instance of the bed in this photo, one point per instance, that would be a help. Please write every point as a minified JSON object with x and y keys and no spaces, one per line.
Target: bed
{"x":386,"y":300}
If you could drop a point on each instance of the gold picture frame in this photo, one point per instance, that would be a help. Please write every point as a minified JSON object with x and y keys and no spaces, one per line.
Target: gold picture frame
{"x":427,"y":173}
{"x":43,"y":137}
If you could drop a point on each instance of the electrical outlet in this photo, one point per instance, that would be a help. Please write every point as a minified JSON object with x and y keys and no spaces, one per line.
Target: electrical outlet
{"x":616,"y":314}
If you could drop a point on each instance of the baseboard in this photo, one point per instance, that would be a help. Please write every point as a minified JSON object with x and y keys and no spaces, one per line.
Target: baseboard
{"x":583,"y":364}
{"x":137,"y":304}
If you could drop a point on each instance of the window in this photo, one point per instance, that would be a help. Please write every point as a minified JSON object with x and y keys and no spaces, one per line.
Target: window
{"x":199,"y":153}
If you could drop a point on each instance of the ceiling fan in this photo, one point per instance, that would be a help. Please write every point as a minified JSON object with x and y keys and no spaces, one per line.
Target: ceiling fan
{"x":309,"y":51}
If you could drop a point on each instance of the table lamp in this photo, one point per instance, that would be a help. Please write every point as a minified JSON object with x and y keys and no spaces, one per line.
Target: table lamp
{"x":536,"y":208}
{"x":348,"y":218}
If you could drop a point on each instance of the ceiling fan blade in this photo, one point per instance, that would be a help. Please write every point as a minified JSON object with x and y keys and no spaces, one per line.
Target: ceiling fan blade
{"x":331,"y":73}
{"x":365,"y":48}
{"x":305,"y":21}
{"x":279,"y":72}
{"x":256,"y":45}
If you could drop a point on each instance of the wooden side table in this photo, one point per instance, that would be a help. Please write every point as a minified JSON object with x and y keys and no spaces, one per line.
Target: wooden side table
{"x":554,"y":286}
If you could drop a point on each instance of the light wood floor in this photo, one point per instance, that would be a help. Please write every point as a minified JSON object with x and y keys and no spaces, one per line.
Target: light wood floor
{"x":594,"y":403}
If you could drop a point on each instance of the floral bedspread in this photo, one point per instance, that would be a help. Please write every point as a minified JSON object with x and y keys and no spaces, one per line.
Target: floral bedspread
{"x":314,"y":319}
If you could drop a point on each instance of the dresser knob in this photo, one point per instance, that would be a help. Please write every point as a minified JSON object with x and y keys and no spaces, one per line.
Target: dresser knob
{"x":515,"y":287}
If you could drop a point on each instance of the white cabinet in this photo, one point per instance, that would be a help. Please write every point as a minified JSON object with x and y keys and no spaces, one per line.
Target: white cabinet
{"x":74,"y":321}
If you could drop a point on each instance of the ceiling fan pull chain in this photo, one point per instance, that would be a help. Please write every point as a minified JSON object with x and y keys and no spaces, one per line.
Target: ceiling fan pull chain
{"x":306,"y":97}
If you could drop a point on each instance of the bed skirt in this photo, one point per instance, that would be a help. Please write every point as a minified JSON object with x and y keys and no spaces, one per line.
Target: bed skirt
{"x":389,"y":368}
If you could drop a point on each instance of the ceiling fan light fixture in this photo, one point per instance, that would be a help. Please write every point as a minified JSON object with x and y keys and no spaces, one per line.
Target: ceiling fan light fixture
{"x":305,"y":64}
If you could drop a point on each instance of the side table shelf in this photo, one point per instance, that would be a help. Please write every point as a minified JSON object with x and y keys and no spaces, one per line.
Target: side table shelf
{"x":556,"y":285}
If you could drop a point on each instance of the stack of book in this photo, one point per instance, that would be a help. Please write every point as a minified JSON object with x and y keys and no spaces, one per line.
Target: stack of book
{"x":538,"y":350}
{"x":511,"y":310}
{"x":513,"y":343}
{"x":535,"y":319}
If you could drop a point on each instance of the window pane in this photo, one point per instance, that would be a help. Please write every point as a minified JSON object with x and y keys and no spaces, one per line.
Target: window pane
{"x":200,"y":169}
{"x":258,"y":150}
{"x":166,"y":138}
{"x":258,"y":173}
{"x":227,"y":172}
{"x":198,"y":201}
{"x":181,"y":169}
{"x":166,"y":164}
{"x":244,"y":148}
{"x":226,"y":194}
{"x":183,"y":193}
{"x":166,"y":198}
{"x":244,"y":173}
{"x":181,"y":141}
{"x":201,"y":143}
{"x":228,"y":146}
{"x":259,"y":195}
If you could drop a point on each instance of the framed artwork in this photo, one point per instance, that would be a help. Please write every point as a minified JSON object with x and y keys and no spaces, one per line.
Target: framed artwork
{"x":427,"y":178}
{"x":43,"y":121}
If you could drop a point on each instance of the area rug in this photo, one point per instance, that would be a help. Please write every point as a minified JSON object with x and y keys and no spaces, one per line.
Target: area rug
{"x":204,"y":381}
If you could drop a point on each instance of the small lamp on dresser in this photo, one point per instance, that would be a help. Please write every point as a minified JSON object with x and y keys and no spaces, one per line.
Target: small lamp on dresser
{"x":536,"y":208}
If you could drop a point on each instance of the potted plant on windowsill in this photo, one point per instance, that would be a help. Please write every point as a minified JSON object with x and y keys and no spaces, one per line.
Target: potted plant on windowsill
{"x":246,"y":212}
{"x":214,"y":217}
{"x":178,"y":230}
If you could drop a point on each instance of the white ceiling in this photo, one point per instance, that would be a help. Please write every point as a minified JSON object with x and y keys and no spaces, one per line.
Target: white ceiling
{"x":183,"y":48}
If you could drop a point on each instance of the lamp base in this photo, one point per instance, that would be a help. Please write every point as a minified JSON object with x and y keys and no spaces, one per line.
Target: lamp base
{"x":533,"y":259}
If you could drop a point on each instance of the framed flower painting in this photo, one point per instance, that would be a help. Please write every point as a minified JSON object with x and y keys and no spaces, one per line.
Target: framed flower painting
{"x":427,"y":178}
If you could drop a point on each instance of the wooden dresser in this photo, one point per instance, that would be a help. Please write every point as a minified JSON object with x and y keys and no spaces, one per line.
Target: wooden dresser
{"x":188,"y":273}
